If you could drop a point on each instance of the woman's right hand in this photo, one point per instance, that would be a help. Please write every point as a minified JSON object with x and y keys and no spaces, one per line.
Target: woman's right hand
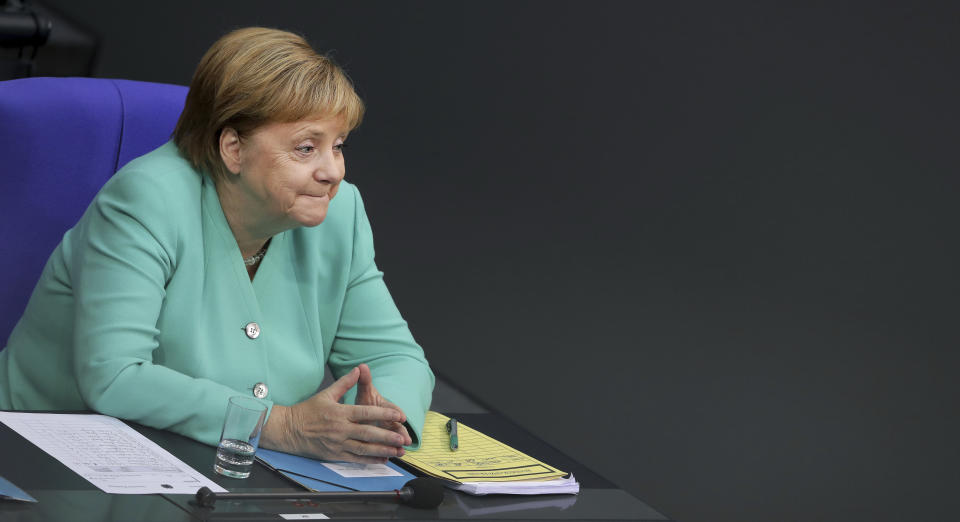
{"x":321,"y":427}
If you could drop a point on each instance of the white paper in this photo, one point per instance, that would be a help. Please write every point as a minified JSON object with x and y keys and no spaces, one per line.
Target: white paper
{"x":361,"y":470}
{"x":111,"y":455}
{"x":519,"y":504}
{"x":567,"y":485}
{"x":303,"y":516}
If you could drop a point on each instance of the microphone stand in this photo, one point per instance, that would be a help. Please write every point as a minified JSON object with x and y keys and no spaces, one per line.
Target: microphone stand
{"x":424,"y":493}
{"x":207,"y":498}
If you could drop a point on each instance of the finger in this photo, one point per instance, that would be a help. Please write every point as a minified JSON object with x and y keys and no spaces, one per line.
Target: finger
{"x":375,"y":434}
{"x":343,"y":384}
{"x":366,"y":378}
{"x":401,"y":430}
{"x":387,"y":404}
{"x":367,"y":449}
{"x":366,"y":392}
{"x":363,"y":413}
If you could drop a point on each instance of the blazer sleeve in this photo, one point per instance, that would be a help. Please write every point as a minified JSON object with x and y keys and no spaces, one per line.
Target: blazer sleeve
{"x":371,"y":330}
{"x":121,"y":262}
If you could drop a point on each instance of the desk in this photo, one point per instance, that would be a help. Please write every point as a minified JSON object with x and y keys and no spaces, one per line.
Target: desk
{"x":64,"y":495}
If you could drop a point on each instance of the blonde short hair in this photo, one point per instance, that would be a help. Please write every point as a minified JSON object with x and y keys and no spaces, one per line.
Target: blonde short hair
{"x":254,"y":76}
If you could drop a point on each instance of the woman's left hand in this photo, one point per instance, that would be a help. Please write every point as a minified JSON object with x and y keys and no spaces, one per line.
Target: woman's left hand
{"x":367,"y":395}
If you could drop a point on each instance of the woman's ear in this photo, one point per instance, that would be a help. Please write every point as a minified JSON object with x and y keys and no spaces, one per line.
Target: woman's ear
{"x":230,"y":149}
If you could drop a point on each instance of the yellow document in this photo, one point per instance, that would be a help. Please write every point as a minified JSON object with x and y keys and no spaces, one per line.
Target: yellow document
{"x":479,"y":458}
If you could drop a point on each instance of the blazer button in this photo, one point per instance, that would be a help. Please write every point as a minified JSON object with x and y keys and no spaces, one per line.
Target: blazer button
{"x":252,"y":330}
{"x":260,"y":390}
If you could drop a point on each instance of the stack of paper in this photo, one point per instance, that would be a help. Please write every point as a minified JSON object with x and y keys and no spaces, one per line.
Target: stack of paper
{"x":323,"y":475}
{"x":483,"y":465}
{"x":530,"y":487}
{"x":111,"y":455}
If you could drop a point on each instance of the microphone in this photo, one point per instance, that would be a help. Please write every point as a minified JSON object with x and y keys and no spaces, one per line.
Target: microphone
{"x":421,"y":492}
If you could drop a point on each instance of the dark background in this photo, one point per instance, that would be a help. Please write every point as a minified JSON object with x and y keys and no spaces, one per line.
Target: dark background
{"x":707,"y":248}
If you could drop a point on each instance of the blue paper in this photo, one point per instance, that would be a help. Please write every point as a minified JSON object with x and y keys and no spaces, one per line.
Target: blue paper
{"x":317,"y":477}
{"x":11,"y":492}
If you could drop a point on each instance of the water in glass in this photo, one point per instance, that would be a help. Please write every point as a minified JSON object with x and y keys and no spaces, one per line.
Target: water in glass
{"x":234,"y":458}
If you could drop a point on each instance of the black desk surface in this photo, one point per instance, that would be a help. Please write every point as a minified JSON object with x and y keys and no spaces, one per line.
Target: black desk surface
{"x":64,"y":495}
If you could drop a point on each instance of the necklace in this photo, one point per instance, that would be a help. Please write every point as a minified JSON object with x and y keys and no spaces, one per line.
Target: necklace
{"x":255,"y":258}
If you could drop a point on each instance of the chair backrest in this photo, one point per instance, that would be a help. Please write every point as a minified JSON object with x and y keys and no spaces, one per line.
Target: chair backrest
{"x":60,"y":140}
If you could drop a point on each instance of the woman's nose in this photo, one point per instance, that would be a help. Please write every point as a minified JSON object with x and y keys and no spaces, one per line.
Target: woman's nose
{"x":328,"y":169}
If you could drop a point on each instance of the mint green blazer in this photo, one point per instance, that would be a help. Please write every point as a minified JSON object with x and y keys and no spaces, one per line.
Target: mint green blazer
{"x":140,"y":312}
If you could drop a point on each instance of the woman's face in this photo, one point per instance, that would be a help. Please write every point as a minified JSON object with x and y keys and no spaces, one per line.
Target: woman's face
{"x":291,"y":171}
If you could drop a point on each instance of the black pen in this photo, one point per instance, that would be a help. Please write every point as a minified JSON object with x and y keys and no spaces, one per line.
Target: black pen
{"x":452,"y":430}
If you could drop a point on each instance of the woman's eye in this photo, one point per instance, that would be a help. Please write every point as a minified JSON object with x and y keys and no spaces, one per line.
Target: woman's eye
{"x":339,"y":147}
{"x":305,"y":149}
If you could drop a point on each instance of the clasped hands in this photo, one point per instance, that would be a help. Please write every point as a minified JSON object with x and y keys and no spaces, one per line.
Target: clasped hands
{"x":369,"y":431}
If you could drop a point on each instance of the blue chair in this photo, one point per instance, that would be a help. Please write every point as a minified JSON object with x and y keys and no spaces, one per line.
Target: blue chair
{"x":60,"y":140}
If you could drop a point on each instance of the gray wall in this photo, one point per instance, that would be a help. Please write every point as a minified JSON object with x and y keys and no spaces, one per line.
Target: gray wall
{"x":707,"y":249}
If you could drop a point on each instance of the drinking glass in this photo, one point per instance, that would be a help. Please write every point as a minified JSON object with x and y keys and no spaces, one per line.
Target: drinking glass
{"x":240,"y":437}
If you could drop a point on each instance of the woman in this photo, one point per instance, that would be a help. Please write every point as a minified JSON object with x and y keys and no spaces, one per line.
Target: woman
{"x":232,"y":260}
